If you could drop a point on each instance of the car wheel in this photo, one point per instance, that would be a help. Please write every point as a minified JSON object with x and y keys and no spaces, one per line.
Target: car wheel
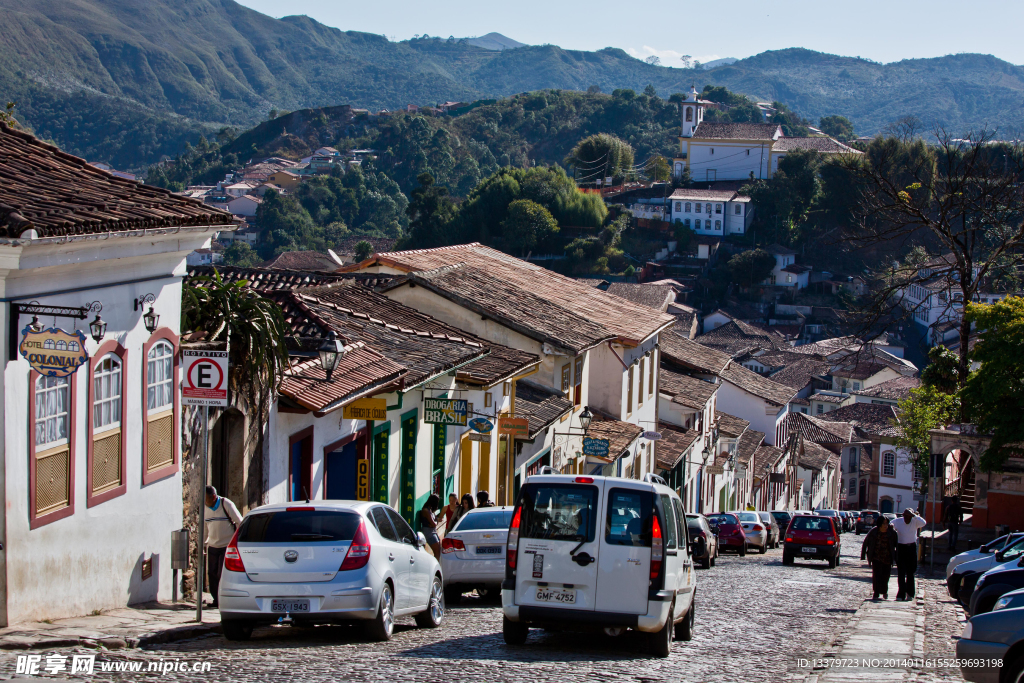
{"x":383,"y":625}
{"x":1014,"y":673}
{"x":787,"y":559}
{"x":984,"y":606}
{"x":434,"y":614}
{"x":661,"y":641}
{"x":236,"y":630}
{"x":711,"y":562}
{"x":706,"y":562}
{"x":858,"y":532}
{"x":684,"y":629}
{"x":743,"y":550}
{"x":452,"y":595}
{"x":763,"y":549}
{"x":514,"y":632}
{"x":831,"y":563}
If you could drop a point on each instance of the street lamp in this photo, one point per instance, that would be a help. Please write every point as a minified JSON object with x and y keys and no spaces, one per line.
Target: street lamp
{"x":331,"y":352}
{"x":586,"y":417}
{"x":97,"y":328}
{"x":151,"y":320}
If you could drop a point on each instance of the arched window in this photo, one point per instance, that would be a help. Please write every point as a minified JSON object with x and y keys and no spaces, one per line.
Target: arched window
{"x":696,"y":207}
{"x":689,"y":113}
{"x":106,"y":444}
{"x":679,"y":207}
{"x":739,"y":209}
{"x":707,"y":225}
{"x":51,"y":475}
{"x":159,"y":426}
{"x":718,"y":225}
{"x":889,"y":464}
{"x":718,"y":208}
{"x":687,"y":207}
{"x":686,"y":222}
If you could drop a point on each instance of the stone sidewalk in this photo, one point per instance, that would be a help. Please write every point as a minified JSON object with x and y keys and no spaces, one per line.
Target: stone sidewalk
{"x":129,"y":627}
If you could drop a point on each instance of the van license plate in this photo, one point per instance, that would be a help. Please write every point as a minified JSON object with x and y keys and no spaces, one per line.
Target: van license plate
{"x":289,"y":605}
{"x":566,"y":597}
{"x":488,"y":550}
{"x":807,"y":549}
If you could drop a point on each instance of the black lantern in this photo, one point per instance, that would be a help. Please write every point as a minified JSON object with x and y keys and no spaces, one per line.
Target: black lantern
{"x":331,"y":352}
{"x":586,"y":417}
{"x":707,"y":454}
{"x":35,"y":325}
{"x":151,"y":320}
{"x":97,"y":328}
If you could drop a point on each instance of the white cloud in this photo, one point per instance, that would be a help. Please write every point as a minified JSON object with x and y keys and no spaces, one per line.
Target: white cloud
{"x":667,"y":57}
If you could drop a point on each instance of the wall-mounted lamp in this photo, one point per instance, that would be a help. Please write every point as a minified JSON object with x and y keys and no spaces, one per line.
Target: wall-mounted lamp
{"x":98,"y":326}
{"x":150,"y":319}
{"x":331,"y":352}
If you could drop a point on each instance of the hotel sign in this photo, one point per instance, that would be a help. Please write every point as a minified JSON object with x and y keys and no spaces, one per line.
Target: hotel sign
{"x":54,"y":352}
{"x":445,"y":411}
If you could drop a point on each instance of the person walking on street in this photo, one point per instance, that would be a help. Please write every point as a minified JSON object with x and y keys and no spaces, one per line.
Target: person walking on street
{"x":879,"y":548}
{"x":449,"y":512}
{"x":483,"y":500}
{"x":953,"y":518}
{"x":221,"y":519}
{"x":428,"y":523}
{"x":906,"y":552}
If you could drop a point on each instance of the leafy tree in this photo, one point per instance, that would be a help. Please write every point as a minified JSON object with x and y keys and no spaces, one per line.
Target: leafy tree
{"x":363,"y":250}
{"x":653,"y":60}
{"x":430,"y":212}
{"x":651,"y":91}
{"x":528,"y":224}
{"x":683,"y":234}
{"x":793,"y":125}
{"x":925,"y":409}
{"x":722,"y":95}
{"x":941,"y":373}
{"x":994,"y":394}
{"x":788,"y":197}
{"x":7,"y":116}
{"x":751,"y":267}
{"x":241,"y":254}
{"x":836,"y":126}
{"x":600,"y":156}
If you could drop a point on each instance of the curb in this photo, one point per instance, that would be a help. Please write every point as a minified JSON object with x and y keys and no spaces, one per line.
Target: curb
{"x":175,"y":634}
{"x":115,"y":642}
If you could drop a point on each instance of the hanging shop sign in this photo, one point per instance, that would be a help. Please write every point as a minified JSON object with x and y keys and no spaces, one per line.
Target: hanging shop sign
{"x":777,"y":478}
{"x":206,"y":378}
{"x":54,"y":352}
{"x":481,"y":424}
{"x":652,"y":436}
{"x":445,"y":411}
{"x":366,"y":409}
{"x":596,"y":447}
{"x":517,"y":427}
{"x":483,"y":438}
{"x":715,"y":469}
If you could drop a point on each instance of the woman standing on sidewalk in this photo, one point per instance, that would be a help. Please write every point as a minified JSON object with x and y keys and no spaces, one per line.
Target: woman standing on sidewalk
{"x":880,"y":549}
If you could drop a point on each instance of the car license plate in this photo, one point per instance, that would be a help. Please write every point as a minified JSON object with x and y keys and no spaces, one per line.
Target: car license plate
{"x":289,"y":605}
{"x":488,"y":550}
{"x":566,"y":597}
{"x":806,"y":549}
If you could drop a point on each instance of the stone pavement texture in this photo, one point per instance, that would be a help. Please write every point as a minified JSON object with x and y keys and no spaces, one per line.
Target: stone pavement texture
{"x":130,"y":627}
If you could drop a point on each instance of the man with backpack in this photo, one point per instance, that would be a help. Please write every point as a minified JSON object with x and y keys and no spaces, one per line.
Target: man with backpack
{"x":222,"y":519}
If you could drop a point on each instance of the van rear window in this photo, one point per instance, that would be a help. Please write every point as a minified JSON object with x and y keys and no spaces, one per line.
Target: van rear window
{"x":299,"y":526}
{"x":559,"y":512}
{"x":629,"y":517}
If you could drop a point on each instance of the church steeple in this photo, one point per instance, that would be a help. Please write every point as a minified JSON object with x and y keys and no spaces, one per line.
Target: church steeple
{"x":692,"y":111}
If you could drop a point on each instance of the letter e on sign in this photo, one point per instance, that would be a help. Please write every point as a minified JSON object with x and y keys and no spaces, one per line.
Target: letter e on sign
{"x":206,"y":378}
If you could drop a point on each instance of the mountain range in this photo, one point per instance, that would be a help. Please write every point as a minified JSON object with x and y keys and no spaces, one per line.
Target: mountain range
{"x":128,"y":82}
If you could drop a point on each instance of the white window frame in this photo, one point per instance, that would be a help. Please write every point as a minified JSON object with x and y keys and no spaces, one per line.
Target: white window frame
{"x":57,"y":384}
{"x":106,"y":385}
{"x":155,"y":378}
{"x":888,"y":464}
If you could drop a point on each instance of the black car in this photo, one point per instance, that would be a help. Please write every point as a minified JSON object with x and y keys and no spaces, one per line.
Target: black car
{"x":866,"y":520}
{"x":782,"y":518}
{"x":992,"y":585}
{"x":963,"y":595}
{"x":697,"y":527}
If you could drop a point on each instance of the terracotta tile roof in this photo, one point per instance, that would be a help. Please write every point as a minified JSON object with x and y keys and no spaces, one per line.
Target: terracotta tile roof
{"x":499,"y":362}
{"x":361,"y":371}
{"x":753,"y":383}
{"x":826,"y":398}
{"x":736,"y":337}
{"x":270,"y":280}
{"x":685,"y":390}
{"x":689,"y":353}
{"x":825,"y":145}
{"x":797,"y":268}
{"x":766,"y":457}
{"x":594,"y":282}
{"x":657,"y":297}
{"x":540,"y":405}
{"x":302,"y":260}
{"x":747,"y":445}
{"x":619,"y":434}
{"x":892,"y":389}
{"x":707,"y":130}
{"x":742,"y":311}
{"x":811,"y":429}
{"x":56,"y":194}
{"x":873,"y":418}
{"x":813,"y":456}
{"x":673,"y":445}
{"x":730,"y":425}
{"x":798,"y":374}
{"x":827,"y":347}
{"x":624,"y":320}
{"x":777,"y":249}
{"x":348,"y":245}
{"x":708,"y":195}
{"x":859,"y":369}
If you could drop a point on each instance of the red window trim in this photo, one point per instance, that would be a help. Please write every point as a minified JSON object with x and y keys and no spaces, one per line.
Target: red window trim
{"x":166,"y":334}
{"x":34,"y":521}
{"x":107,"y":347}
{"x":292,"y":440}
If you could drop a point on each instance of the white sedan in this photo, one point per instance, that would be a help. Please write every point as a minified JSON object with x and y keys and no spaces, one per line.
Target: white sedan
{"x":473,"y":553}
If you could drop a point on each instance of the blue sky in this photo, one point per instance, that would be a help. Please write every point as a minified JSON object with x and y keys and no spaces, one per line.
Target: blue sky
{"x":881,"y":30}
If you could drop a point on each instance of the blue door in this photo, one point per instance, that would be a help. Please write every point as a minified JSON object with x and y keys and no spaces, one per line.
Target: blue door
{"x":341,"y":473}
{"x":296,"y":471}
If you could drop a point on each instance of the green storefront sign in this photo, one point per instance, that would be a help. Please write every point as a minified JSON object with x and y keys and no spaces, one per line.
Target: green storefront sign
{"x":437,"y":468}
{"x":445,"y":411}
{"x":381,"y":435}
{"x":407,"y":506}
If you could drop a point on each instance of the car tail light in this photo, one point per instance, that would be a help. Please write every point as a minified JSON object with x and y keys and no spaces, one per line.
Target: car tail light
{"x":450,"y":545}
{"x":513,"y":540}
{"x":657,"y":549}
{"x":359,"y":552}
{"x":232,"y":560}
{"x":789,"y":539}
{"x":758,"y":527}
{"x":831,"y":541}
{"x":584,"y":480}
{"x":738,"y":532}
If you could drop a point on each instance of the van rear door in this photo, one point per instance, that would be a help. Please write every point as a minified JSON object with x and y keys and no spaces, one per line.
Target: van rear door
{"x":558,"y":544}
{"x":625,"y":565}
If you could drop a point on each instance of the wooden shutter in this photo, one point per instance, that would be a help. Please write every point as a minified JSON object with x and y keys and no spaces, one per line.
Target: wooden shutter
{"x":106,"y":461}
{"x":53,"y":477}
{"x":160,"y":442}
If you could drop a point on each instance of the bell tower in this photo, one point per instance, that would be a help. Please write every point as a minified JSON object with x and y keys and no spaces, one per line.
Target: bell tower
{"x":692,"y":112}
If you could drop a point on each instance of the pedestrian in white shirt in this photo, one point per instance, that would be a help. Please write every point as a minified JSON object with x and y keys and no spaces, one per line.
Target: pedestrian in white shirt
{"x":221,"y":519}
{"x":906,"y":552}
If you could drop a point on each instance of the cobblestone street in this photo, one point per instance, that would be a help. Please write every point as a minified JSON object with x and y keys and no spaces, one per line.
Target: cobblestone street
{"x":755,"y":619}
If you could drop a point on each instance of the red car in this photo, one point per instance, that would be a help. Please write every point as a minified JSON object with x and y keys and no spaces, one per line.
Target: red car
{"x":729,"y":531}
{"x":812,"y":536}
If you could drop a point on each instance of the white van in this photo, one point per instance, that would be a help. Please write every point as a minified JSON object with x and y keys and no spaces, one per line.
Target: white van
{"x":599,"y":552}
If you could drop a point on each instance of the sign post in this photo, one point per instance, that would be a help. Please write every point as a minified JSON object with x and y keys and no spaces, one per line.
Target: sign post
{"x":936,"y":470}
{"x":206,"y":384}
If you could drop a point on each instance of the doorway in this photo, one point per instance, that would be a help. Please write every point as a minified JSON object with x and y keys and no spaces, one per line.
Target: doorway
{"x":300,"y":465}
{"x":885,"y":505}
{"x":340,"y":472}
{"x":227,"y":468}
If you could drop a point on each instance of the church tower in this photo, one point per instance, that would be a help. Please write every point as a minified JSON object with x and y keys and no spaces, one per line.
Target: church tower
{"x":692,"y":112}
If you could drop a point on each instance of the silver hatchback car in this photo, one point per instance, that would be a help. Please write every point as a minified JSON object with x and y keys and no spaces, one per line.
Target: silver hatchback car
{"x":328,"y":562}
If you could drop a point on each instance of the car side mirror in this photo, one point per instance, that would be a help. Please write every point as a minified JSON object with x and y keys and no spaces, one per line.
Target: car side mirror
{"x":421,"y":540}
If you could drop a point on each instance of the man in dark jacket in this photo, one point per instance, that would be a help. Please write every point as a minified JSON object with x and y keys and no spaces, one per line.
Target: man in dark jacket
{"x":879,"y":548}
{"x":953,"y":518}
